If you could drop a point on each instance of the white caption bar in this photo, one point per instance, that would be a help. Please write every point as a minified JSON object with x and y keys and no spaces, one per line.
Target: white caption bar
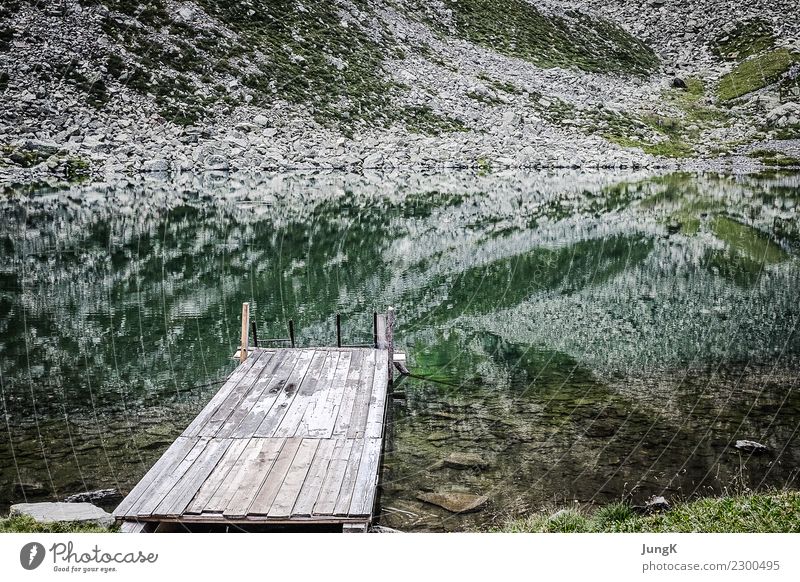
{"x":414,"y":557}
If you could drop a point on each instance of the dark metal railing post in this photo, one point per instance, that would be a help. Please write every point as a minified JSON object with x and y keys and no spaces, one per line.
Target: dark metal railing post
{"x":338,"y":330}
{"x":291,"y":332}
{"x":390,"y":341}
{"x":375,"y":329}
{"x":255,"y":332}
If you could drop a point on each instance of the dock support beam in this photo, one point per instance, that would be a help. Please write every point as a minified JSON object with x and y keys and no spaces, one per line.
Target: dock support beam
{"x":245,"y":331}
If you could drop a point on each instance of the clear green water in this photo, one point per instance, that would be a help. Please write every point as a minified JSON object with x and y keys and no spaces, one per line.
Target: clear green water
{"x":592,"y":337}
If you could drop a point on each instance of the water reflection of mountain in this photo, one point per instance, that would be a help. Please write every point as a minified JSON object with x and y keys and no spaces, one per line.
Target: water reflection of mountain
{"x":116,"y":303}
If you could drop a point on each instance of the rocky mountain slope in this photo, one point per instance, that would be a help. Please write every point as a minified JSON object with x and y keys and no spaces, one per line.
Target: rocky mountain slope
{"x":107,"y":87}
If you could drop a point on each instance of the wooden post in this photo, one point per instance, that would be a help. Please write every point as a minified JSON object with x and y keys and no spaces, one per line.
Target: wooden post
{"x":245,"y":331}
{"x":338,"y":330}
{"x":375,"y":329}
{"x":390,"y":341}
{"x":291,"y":332}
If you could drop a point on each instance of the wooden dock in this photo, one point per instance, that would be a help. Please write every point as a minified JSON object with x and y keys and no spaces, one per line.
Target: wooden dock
{"x":293,"y":437}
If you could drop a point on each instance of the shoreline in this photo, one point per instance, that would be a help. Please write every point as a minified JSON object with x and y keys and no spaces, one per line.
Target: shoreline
{"x":44,"y":176}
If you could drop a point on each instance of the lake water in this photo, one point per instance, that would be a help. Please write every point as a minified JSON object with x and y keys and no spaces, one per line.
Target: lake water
{"x":591,"y":337}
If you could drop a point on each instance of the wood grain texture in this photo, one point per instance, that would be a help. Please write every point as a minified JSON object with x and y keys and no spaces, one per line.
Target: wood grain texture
{"x":293,"y":434}
{"x":217,"y":477}
{"x":295,"y":477}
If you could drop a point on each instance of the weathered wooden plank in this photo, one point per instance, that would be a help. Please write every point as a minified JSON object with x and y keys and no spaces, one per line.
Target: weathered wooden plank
{"x":295,"y":476}
{"x":358,"y":419}
{"x":377,"y":401}
{"x":363,"y":364}
{"x":182,"y":493}
{"x":286,"y":395}
{"x":272,"y":484}
{"x":329,"y":490}
{"x":219,"y":397}
{"x":257,"y":472}
{"x":367,"y":478}
{"x":217,"y":477}
{"x":312,"y":485}
{"x":345,"y":496}
{"x":317,"y":377}
{"x":171,"y":457}
{"x":238,"y":473}
{"x":320,"y":416}
{"x":161,"y":486}
{"x":381,"y":331}
{"x":254,"y":395}
{"x":215,"y":422}
{"x":272,"y":392}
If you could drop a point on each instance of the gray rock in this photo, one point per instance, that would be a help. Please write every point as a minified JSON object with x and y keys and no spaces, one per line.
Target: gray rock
{"x":655,"y":504}
{"x":751,"y":447}
{"x":50,"y":512}
{"x":159,"y":165}
{"x":455,"y":502}
{"x":678,"y":83}
{"x":47,"y":148}
{"x":373,"y":160}
{"x":93,"y":496}
{"x":216,"y":163}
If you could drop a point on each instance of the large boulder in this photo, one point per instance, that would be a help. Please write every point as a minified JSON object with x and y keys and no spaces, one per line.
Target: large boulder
{"x":50,"y":512}
{"x":751,"y":447}
{"x":104,"y":495}
{"x":454,"y":501}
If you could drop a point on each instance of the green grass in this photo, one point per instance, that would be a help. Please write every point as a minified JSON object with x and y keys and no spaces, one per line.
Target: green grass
{"x":775,"y":159}
{"x":755,"y":513}
{"x":746,"y":39}
{"x":504,"y":86}
{"x":517,"y":28}
{"x":747,"y":241}
{"x":25,"y":524}
{"x":755,"y":73}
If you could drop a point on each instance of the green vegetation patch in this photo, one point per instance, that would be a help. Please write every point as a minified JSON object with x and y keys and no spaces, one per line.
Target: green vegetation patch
{"x":308,"y":53}
{"x":748,"y":241}
{"x":775,"y":159}
{"x":69,"y":71}
{"x":678,"y":134}
{"x":26,"y":524}
{"x":755,"y":513}
{"x":756,"y":73}
{"x":6,"y":36}
{"x":423,"y":119}
{"x":504,"y":86}
{"x":517,"y":28}
{"x":313,"y":58}
{"x":673,"y":145}
{"x":749,"y":37}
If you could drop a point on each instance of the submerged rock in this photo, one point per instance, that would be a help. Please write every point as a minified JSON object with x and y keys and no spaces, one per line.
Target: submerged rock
{"x":454,"y":501}
{"x":50,"y":512}
{"x":751,"y":447}
{"x":458,"y":460}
